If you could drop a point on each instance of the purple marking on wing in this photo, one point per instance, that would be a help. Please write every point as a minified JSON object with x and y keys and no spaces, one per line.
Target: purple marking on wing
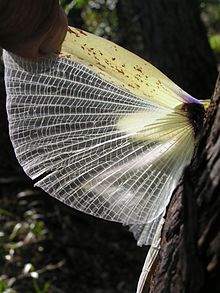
{"x":187,"y":97}
{"x":184,"y":95}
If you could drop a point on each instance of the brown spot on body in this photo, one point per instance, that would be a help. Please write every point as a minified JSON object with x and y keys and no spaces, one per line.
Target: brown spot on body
{"x":120,"y":70}
{"x":100,"y":53}
{"x":131,"y":86}
{"x":70,"y":30}
{"x":100,"y":64}
{"x":81,"y":32}
{"x":158,"y":83}
{"x":138,"y":68}
{"x":113,"y":58}
{"x":68,"y":56}
{"x":75,"y":33}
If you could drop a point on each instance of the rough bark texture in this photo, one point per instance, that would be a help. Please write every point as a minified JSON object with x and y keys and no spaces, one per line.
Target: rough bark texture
{"x":189,"y":260}
{"x":170,"y":34}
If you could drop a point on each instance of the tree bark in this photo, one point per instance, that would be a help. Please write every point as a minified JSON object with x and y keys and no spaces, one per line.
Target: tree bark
{"x":189,"y":259}
{"x":171,"y":35}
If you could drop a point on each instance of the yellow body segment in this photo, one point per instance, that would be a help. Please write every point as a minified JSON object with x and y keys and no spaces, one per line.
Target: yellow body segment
{"x":121,"y":67}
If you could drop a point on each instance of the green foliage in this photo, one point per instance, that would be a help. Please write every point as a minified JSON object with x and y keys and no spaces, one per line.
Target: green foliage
{"x":5,"y":285}
{"x":214,"y":41}
{"x":48,"y":248}
{"x":38,"y":289}
{"x":210,"y":13}
{"x":21,"y":241}
{"x":69,"y":5}
{"x":99,"y":16}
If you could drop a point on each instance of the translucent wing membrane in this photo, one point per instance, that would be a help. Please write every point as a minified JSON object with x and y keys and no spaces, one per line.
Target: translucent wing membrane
{"x":94,"y":145}
{"x":145,"y":233}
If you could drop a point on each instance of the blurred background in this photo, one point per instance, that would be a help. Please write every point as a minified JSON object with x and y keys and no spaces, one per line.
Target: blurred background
{"x":46,"y":247}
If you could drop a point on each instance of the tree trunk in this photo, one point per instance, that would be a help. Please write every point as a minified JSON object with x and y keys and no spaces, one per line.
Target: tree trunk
{"x":190,"y":248}
{"x":173,"y":38}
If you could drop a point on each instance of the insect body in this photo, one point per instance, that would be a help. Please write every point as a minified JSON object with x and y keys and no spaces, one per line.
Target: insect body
{"x":102,"y":130}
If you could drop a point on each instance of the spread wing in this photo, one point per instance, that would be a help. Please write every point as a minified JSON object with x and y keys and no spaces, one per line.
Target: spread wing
{"x":91,"y":143}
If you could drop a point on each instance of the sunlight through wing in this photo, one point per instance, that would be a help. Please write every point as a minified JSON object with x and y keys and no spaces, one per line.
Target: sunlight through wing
{"x":103,"y":131}
{"x":94,"y":145}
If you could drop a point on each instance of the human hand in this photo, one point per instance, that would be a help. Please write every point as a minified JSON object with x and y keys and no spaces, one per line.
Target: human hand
{"x":32,"y":28}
